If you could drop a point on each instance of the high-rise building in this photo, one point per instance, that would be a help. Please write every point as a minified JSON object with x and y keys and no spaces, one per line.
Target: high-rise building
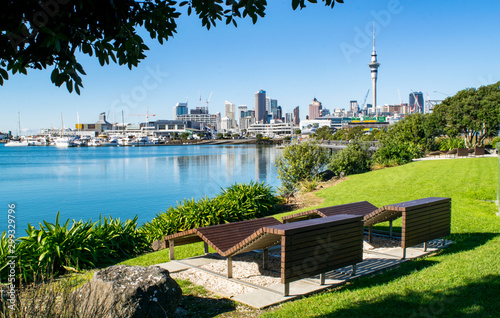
{"x":416,"y":102}
{"x":241,"y":108}
{"x":273,"y":105}
{"x":230,"y":112}
{"x":288,"y":117}
{"x":180,"y":109}
{"x":353,"y":106}
{"x":374,"y":71}
{"x":279,"y":113}
{"x":296,"y":117}
{"x":315,"y":109}
{"x":260,"y":107}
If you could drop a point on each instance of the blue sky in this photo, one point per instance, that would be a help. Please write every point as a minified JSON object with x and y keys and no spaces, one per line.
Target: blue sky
{"x":428,"y":46}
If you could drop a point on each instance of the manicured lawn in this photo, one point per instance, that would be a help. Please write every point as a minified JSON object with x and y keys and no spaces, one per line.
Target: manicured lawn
{"x":462,"y":280}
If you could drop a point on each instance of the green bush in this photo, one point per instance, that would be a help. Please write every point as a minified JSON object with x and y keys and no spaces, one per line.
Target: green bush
{"x":351,"y":160}
{"x":57,"y":248}
{"x":236,"y":203}
{"x":446,"y":144}
{"x":300,"y":162}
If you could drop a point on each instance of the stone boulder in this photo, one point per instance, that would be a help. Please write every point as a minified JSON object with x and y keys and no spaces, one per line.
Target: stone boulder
{"x":129,"y":291}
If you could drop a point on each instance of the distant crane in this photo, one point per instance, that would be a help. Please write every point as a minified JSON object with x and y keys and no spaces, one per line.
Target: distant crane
{"x":364,"y":102}
{"x":147,"y":114}
{"x":208,"y":100}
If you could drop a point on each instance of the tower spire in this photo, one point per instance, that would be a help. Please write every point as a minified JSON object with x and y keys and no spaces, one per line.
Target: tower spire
{"x":374,"y":71}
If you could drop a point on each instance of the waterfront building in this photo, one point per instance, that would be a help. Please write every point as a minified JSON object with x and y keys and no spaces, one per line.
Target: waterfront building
{"x":209,"y":120}
{"x":296,"y":117}
{"x":94,"y":129}
{"x":226,"y":124}
{"x":245,"y":122}
{"x":416,"y":102}
{"x":260,"y":107}
{"x":374,"y":65}
{"x":271,"y":130}
{"x":180,"y":109}
{"x":310,"y":126}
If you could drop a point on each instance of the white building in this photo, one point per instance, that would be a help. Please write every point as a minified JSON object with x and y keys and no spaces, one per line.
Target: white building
{"x":271,"y":130}
{"x":230,"y":109}
{"x":226,"y":124}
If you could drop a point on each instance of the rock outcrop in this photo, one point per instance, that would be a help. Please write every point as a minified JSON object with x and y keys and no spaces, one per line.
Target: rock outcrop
{"x":129,"y":291}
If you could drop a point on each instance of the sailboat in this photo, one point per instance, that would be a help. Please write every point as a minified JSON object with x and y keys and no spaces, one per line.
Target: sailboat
{"x":21,"y":142}
{"x":62,"y":142}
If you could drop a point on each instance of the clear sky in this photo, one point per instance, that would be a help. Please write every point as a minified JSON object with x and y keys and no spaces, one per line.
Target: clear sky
{"x":437,"y":47}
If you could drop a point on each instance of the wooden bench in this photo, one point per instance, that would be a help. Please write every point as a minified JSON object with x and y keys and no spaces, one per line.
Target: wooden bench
{"x":462,"y":152}
{"x":423,"y":220}
{"x":361,"y":208}
{"x":308,"y":248}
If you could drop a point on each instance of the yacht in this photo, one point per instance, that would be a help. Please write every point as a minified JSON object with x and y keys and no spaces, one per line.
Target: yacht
{"x":141,"y":141}
{"x":111,"y":143}
{"x":17,"y":143}
{"x":63,"y":142}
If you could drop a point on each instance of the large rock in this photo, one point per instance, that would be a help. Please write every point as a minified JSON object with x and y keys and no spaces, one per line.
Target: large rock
{"x":129,"y":291}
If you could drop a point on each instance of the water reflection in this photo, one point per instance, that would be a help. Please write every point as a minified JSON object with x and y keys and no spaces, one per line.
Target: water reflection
{"x":123,"y":182}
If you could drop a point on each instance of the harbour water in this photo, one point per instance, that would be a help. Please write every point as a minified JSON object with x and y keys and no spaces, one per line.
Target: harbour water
{"x":83,"y":183}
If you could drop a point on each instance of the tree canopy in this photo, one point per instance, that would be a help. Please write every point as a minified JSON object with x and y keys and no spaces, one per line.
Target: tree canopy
{"x":37,"y":34}
{"x":473,"y":113}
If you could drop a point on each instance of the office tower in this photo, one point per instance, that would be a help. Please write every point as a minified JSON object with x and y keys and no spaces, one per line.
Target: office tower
{"x":273,"y":105}
{"x":296,"y":117}
{"x":230,"y":112}
{"x":416,"y":102}
{"x":315,"y":109}
{"x":260,"y":107}
{"x":279,"y":113}
{"x":288,"y":117}
{"x":353,"y":106}
{"x":180,"y":109}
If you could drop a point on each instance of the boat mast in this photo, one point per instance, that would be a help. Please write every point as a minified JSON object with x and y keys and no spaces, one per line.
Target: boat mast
{"x":19,"y":124}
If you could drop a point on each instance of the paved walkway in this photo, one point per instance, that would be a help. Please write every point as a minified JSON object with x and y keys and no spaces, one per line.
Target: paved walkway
{"x":261,"y":297}
{"x":444,"y":157}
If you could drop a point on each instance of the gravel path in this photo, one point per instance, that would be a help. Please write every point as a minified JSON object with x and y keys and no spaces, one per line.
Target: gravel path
{"x":248,"y":267}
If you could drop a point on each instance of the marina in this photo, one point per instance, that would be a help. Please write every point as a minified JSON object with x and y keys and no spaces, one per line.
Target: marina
{"x":85,"y":182}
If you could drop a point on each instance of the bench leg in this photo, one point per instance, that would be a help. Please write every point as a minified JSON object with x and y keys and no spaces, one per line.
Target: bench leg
{"x":443,"y":242}
{"x":390,"y":229}
{"x":265,"y":258}
{"x":322,"y":278}
{"x":426,"y":245}
{"x":229,"y":267}
{"x":353,"y":269}
{"x":404,"y":253}
{"x":286,"y":289}
{"x":205,"y":247}
{"x":370,"y":234}
{"x":171,"y":249}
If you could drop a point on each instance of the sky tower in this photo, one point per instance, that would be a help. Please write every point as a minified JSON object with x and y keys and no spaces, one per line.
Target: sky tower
{"x":373,"y":67}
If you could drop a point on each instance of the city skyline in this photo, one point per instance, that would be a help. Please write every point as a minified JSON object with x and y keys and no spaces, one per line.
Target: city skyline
{"x":436,"y":48}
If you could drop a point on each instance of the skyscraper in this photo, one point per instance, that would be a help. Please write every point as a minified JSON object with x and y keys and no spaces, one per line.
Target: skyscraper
{"x":374,"y":70}
{"x":296,"y":117}
{"x":416,"y":102}
{"x":260,"y":107}
{"x":230,"y":112}
{"x":315,"y":109}
{"x":279,"y":113}
{"x":353,"y":106}
{"x":180,"y":109}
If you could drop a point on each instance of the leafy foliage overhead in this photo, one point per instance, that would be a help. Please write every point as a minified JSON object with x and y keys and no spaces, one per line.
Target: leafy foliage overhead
{"x":37,"y":34}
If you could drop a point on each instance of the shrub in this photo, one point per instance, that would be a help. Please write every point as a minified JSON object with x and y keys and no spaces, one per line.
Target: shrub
{"x":300,"y":162}
{"x":236,"y":203}
{"x":446,"y":144}
{"x":56,"y":248}
{"x":353,"y":159}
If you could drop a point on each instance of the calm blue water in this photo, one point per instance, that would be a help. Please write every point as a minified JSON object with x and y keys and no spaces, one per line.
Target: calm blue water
{"x":122,"y":182}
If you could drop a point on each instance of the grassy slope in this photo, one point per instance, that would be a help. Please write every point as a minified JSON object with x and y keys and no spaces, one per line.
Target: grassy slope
{"x":462,"y":280}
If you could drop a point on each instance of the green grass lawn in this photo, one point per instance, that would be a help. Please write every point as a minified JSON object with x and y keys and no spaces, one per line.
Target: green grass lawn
{"x":462,"y":280}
